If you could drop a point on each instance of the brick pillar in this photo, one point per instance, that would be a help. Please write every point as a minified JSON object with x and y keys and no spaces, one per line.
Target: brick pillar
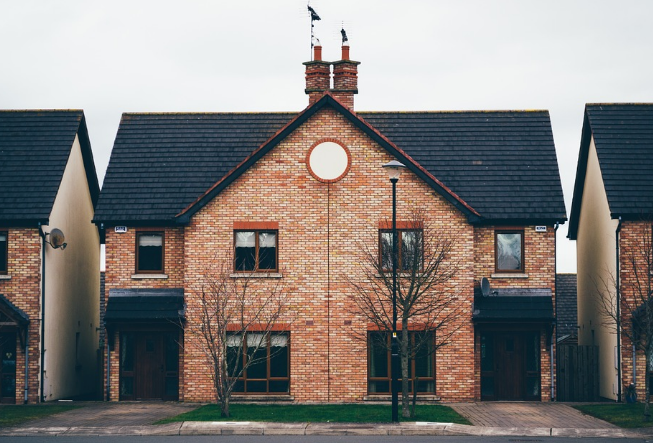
{"x":345,"y":79}
{"x":318,"y":76}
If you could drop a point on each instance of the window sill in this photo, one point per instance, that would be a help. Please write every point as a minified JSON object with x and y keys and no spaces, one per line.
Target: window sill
{"x":256,"y":275}
{"x":146,"y":276}
{"x":516,"y":275}
{"x":5,"y":277}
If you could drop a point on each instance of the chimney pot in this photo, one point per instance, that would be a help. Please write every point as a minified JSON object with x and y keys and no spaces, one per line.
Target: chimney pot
{"x":345,"y":52}
{"x":317,"y":53}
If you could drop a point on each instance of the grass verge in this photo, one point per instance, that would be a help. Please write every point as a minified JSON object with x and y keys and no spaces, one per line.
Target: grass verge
{"x":620,"y":414}
{"x":349,"y":413}
{"x":12,"y":415}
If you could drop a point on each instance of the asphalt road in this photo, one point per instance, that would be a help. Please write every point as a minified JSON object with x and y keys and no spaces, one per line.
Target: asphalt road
{"x":313,"y":439}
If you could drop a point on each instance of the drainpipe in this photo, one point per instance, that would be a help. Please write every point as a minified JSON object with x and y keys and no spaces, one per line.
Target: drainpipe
{"x":26,"y":362}
{"x":618,"y":279}
{"x":41,"y":376}
{"x":555,"y":288}
{"x":635,"y":359}
{"x":108,"y":369}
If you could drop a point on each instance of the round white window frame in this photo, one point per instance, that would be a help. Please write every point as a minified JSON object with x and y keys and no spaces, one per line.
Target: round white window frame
{"x":322,"y":164}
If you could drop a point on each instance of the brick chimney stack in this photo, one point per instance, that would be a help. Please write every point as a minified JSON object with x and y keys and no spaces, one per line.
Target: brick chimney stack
{"x":345,"y":77}
{"x":318,"y":76}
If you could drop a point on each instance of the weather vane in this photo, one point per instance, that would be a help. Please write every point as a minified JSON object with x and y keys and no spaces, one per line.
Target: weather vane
{"x":314,"y":17}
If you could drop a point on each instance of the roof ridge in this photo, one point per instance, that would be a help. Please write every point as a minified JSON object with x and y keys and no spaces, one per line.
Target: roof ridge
{"x":214,"y":113}
{"x":41,"y":110}
{"x":477,"y":111}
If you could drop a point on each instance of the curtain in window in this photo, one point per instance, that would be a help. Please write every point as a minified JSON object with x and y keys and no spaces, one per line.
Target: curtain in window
{"x":245,"y":240}
{"x":150,"y":240}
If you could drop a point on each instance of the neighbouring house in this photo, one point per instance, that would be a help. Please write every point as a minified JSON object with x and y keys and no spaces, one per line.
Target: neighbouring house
{"x":610,"y":220}
{"x":49,"y":257}
{"x":295,"y":193}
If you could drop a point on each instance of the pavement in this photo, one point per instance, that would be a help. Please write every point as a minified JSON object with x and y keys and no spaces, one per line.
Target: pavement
{"x":523,"y":419}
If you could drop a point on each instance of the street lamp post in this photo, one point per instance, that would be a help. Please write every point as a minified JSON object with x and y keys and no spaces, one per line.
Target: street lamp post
{"x":394,"y":169}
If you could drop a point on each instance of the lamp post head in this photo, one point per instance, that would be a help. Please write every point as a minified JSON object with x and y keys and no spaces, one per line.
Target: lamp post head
{"x":394,"y":169}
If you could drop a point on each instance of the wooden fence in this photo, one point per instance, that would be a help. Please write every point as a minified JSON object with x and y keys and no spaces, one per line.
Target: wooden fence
{"x":578,"y":373}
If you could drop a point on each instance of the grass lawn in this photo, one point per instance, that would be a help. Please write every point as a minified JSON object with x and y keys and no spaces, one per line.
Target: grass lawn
{"x":622,"y":415}
{"x":12,"y":415}
{"x":318,"y":413}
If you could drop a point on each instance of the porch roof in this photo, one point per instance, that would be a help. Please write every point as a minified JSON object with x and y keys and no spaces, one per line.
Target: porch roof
{"x":515,"y":305}
{"x":145,"y":304}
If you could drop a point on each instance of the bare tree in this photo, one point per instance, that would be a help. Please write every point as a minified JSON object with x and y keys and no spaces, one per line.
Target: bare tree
{"x":424,"y":305}
{"x":634,"y":318}
{"x":235,"y":326}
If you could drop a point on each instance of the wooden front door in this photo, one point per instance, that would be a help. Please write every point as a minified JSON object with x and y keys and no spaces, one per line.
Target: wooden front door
{"x":149,"y":365}
{"x":510,"y":366}
{"x":150,"y":370}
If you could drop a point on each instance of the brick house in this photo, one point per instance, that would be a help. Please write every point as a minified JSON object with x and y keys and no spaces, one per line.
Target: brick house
{"x":611,"y":216}
{"x":181,"y":188}
{"x":49,"y":297}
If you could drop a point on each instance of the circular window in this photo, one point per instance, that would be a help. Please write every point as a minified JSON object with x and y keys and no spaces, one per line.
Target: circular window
{"x":328,"y":161}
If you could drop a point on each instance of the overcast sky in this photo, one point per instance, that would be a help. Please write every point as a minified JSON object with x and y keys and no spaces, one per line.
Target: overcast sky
{"x":110,"y":57}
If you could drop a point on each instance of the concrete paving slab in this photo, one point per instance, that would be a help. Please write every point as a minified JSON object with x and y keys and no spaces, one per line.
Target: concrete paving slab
{"x":286,"y":429}
{"x":595,"y":433}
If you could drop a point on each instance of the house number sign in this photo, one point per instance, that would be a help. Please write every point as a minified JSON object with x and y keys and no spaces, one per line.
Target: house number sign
{"x":540,"y":228}
{"x":121,"y":229}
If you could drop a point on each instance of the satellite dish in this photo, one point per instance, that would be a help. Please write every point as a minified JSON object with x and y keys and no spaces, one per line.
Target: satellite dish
{"x":57,"y":239}
{"x":485,"y":287}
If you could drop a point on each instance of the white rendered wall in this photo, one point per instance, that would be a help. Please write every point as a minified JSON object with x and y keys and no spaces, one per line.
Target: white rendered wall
{"x":596,"y":261}
{"x":72,"y":303}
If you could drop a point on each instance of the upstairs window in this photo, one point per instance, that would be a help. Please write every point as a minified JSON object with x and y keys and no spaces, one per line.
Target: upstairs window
{"x":255,"y":251}
{"x":149,"y":252}
{"x":509,"y":251}
{"x":410,"y":249}
{"x":3,"y":253}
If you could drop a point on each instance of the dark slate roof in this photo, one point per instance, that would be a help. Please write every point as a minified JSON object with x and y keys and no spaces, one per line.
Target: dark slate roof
{"x":623,"y":136}
{"x":502,"y":163}
{"x":145,"y":304}
{"x":531,"y":306}
{"x":566,"y":306}
{"x":161,"y":163}
{"x":499,"y":164}
{"x":34,"y":150}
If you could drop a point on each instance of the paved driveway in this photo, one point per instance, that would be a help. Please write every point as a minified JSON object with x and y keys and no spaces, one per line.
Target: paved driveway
{"x":102,"y":414}
{"x":528,"y":415}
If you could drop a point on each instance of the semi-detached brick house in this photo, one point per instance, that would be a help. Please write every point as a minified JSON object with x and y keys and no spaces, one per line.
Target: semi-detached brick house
{"x":611,"y":220}
{"x":181,"y":188}
{"x":49,"y":297}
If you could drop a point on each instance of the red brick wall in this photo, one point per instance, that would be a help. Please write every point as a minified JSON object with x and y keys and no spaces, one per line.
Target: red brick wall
{"x":634,"y":242}
{"x":321,"y":228}
{"x":23,"y":289}
{"x":120,"y":254}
